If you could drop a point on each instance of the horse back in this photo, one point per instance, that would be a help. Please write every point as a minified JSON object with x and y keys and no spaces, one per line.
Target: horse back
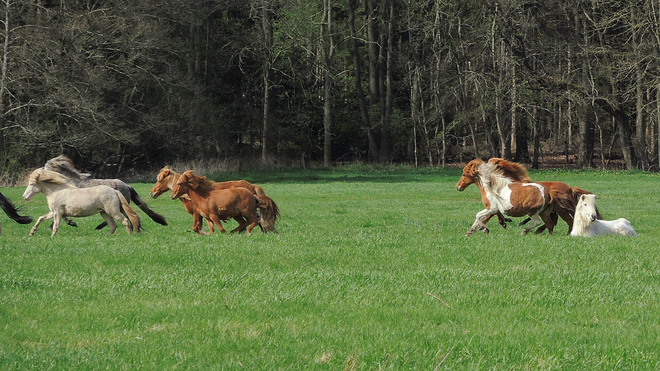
{"x":527,"y":197}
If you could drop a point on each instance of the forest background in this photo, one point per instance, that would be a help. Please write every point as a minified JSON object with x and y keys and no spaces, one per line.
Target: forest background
{"x":123,"y":86}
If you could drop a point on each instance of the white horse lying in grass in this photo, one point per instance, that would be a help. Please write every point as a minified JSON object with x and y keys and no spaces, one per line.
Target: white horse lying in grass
{"x":65,"y":199}
{"x":586,"y":224}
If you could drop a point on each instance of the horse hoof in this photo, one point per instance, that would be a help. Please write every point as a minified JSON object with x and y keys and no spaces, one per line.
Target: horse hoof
{"x":486,"y":231}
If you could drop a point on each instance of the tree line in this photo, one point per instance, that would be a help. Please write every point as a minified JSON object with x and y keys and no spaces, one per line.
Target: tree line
{"x":136,"y":84}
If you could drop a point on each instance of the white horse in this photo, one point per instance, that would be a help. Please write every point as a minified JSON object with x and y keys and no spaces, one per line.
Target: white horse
{"x":65,"y":199}
{"x":586,"y":224}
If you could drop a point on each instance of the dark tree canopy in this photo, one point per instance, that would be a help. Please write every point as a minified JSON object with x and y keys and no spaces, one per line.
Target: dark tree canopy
{"x":139,"y":84}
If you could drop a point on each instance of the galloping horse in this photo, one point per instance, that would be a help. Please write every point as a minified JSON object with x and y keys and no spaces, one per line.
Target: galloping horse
{"x":64,"y":166}
{"x":12,"y":212}
{"x":167,"y":178}
{"x":470,"y":177}
{"x":511,"y":198}
{"x":66,"y":199}
{"x":217,"y":205}
{"x":586,"y":223}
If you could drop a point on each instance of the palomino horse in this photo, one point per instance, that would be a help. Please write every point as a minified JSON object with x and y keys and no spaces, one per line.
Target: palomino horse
{"x":12,"y":212}
{"x":66,"y":199}
{"x":512,"y":198}
{"x":564,"y":197}
{"x":166,"y":181}
{"x":586,"y":222}
{"x":219,"y":205}
{"x":64,"y":166}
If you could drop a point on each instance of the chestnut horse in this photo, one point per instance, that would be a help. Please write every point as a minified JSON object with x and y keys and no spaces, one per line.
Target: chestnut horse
{"x":217,"y":205}
{"x":511,"y":198}
{"x":166,"y":181}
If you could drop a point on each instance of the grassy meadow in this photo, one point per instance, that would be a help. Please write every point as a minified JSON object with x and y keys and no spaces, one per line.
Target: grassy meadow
{"x":371,"y":271}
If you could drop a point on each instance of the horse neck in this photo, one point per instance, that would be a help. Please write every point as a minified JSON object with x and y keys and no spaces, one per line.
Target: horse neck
{"x":171,"y":180}
{"x":51,"y":188}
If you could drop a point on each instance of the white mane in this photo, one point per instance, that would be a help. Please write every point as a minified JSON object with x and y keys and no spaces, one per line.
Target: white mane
{"x":492,"y":178}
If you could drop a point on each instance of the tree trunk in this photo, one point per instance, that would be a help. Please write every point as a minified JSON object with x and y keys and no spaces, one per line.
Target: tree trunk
{"x":364,"y":109}
{"x":372,"y":40}
{"x":5,"y":69}
{"x":328,"y":50}
{"x":386,"y":79}
{"x":267,"y":26}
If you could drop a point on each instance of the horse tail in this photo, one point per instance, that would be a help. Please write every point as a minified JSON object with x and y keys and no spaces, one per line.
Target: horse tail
{"x":143,"y":205}
{"x":258,"y":191}
{"x":577,"y":192}
{"x":12,"y":212}
{"x":130,"y":213}
{"x":269,"y":213}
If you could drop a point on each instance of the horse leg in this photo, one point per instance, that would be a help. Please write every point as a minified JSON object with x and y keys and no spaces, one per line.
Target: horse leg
{"x":57,"y":219}
{"x":479,"y":221}
{"x":41,"y":219}
{"x":536,"y":221}
{"x":550,"y":218}
{"x":242,"y":224}
{"x":197,"y":223}
{"x":111,"y":222}
{"x":216,"y":220}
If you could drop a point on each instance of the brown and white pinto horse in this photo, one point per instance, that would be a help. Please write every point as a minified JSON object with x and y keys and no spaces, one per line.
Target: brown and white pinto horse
{"x":166,"y":181}
{"x":217,"y":205}
{"x":470,"y":177}
{"x":511,"y":198}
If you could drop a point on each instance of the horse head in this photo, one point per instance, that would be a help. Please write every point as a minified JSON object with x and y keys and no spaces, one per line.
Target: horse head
{"x":163,"y":182}
{"x":470,"y":174}
{"x":586,"y":207}
{"x":512,"y":170}
{"x":183,"y":185}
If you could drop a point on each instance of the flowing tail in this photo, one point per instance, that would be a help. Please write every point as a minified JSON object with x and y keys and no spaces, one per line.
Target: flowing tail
{"x":143,"y":205}
{"x":130,"y":214}
{"x":269,"y":213}
{"x":12,"y":212}
{"x":577,"y":192}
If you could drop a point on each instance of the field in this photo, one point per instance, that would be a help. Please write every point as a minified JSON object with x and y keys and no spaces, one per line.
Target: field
{"x":371,"y":271}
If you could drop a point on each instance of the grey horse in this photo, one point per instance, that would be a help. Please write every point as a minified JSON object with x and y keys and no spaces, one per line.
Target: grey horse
{"x":64,"y":166}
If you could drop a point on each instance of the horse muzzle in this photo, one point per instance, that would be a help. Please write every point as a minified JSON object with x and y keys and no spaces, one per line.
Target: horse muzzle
{"x":592,"y":217}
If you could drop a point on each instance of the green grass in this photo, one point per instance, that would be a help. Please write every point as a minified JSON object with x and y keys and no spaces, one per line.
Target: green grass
{"x":371,"y":270}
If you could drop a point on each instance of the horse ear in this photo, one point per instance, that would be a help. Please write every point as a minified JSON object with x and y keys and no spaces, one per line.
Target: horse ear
{"x":582,"y":198}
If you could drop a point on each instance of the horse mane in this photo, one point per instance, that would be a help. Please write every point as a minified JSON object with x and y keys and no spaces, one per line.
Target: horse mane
{"x":472,"y":168}
{"x":511,"y":169}
{"x":63,"y":165}
{"x":492,"y":177}
{"x":167,"y":169}
{"x":197,"y":182}
{"x":48,"y":176}
{"x":580,"y":222}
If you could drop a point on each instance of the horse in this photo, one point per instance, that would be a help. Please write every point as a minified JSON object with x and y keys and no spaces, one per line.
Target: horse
{"x":565,"y":197}
{"x":586,"y":223}
{"x":166,"y":181}
{"x":12,"y":212}
{"x":66,"y":199}
{"x":468,"y":177}
{"x":511,"y":198}
{"x":217,"y":205}
{"x":63,"y":165}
